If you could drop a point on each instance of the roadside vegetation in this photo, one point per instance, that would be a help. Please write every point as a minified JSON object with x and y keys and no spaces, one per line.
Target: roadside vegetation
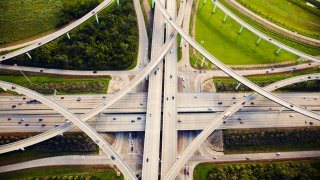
{"x":307,"y":169}
{"x":312,"y":50}
{"x":223,"y":40}
{"x":110,"y":45}
{"x":64,"y":173}
{"x":229,"y":84}
{"x":63,"y":85}
{"x":29,"y":18}
{"x":271,"y":140}
{"x":294,"y":15}
{"x":68,"y":144}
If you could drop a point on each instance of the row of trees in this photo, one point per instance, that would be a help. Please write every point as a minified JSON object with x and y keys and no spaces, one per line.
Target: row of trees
{"x":110,"y":45}
{"x":75,"y":142}
{"x":268,"y":170}
{"x":307,"y":136}
{"x":313,"y":85}
{"x":70,"y":87}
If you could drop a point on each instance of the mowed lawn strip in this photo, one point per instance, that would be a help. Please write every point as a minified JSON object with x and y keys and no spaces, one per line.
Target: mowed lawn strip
{"x":58,"y":82}
{"x":95,"y":172}
{"x":223,"y":41}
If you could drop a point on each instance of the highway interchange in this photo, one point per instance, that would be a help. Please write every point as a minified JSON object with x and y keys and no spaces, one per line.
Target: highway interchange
{"x":169,"y":110}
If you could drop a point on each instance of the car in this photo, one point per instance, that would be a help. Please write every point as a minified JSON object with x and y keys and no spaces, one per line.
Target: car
{"x":210,"y":109}
{"x":43,"y":125}
{"x":171,"y":51}
{"x":41,"y":70}
{"x":131,"y":142}
{"x":9,"y":119}
{"x":220,"y":103}
{"x":241,"y":122}
{"x":315,"y":98}
{"x":19,"y":122}
{"x":138,"y":118}
{"x":61,"y":97}
{"x":214,"y":157}
{"x":179,"y":120}
{"x":155,"y":72}
{"x":172,"y":97}
{"x":141,"y":104}
{"x":252,"y":103}
{"x":39,"y":43}
{"x":182,"y":79}
{"x":147,"y":159}
{"x":309,"y":77}
{"x":247,"y":158}
{"x":22,"y":119}
{"x":79,"y":99}
{"x":195,"y":97}
{"x":94,"y":72}
{"x":243,"y":103}
{"x":167,"y":98}
{"x":224,"y":122}
{"x":291,"y":105}
{"x":66,"y":120}
{"x":113,"y":158}
{"x":311,"y":123}
{"x":40,"y":120}
{"x":239,"y":119}
{"x":56,"y":125}
{"x":290,"y":115}
{"x":13,"y":87}
{"x":114,"y":118}
{"x":24,"y":98}
{"x":20,"y":103}
{"x":133,"y":121}
{"x":170,"y":76}
{"x":131,"y":148}
{"x":278,"y":154}
{"x":26,"y":124}
{"x":234,"y":98}
{"x":13,"y":106}
{"x":104,"y":97}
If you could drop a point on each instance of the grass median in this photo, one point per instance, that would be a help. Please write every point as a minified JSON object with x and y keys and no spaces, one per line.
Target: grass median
{"x":223,"y":40}
{"x":64,"y":85}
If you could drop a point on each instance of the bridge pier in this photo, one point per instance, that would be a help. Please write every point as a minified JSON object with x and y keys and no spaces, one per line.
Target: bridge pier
{"x":68,"y":36}
{"x":28,"y":55}
{"x":97,"y":19}
{"x":202,"y":61}
{"x":258,"y":41}
{"x":240,"y":30}
{"x":225,"y":18}
{"x":238,"y":86}
{"x":278,"y":51}
{"x":152,"y":6}
{"x":214,"y":8}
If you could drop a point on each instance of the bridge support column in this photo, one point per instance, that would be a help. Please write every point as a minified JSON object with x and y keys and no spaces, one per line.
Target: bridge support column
{"x":97,"y":19}
{"x":202,"y":61}
{"x":152,"y":6}
{"x":240,"y":30}
{"x":214,"y":8}
{"x":118,"y":2}
{"x":278,"y":51}
{"x":28,"y":55}
{"x":238,"y":86}
{"x":299,"y":59}
{"x":258,"y":41}
{"x":68,"y":36}
{"x":225,"y":18}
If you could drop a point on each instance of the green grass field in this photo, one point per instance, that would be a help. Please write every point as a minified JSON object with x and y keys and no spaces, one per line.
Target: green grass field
{"x":223,"y":41}
{"x":28,"y":18}
{"x":35,"y":79}
{"x":312,"y":50}
{"x":96,"y":172}
{"x":287,"y":14}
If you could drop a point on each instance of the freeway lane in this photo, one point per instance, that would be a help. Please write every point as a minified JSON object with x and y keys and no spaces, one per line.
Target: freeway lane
{"x":78,"y":122}
{"x":57,"y":34}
